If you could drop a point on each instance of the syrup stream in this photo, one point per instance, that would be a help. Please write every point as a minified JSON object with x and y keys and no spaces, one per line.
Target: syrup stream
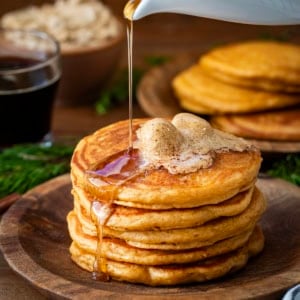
{"x":130,"y":55}
{"x":121,"y":168}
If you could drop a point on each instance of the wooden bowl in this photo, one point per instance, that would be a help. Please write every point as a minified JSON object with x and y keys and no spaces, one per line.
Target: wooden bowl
{"x":86,"y":70}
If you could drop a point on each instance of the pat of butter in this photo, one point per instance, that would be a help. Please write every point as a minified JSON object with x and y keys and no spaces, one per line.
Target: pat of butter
{"x":185,"y":144}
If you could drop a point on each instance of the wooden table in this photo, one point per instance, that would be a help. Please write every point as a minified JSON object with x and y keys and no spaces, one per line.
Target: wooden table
{"x":166,"y":34}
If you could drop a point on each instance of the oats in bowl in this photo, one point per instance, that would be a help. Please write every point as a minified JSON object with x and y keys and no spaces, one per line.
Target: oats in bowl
{"x":74,"y":23}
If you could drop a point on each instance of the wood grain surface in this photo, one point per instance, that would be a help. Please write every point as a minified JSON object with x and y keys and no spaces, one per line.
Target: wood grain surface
{"x":35,"y":241}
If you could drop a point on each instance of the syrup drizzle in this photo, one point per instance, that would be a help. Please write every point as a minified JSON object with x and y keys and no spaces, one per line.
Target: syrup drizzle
{"x":117,"y":169}
{"x":128,"y":14}
{"x":130,"y":55}
{"x":113,"y":172}
{"x":100,"y":213}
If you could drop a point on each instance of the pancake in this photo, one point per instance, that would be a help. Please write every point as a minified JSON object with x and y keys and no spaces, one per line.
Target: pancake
{"x":281,"y":125}
{"x":127,"y":218}
{"x":192,"y":106}
{"x":173,"y":274}
{"x":118,"y":250}
{"x":267,"y":65}
{"x":203,"y":235}
{"x":231,"y":173}
{"x":192,"y":237}
{"x":197,"y":91}
{"x":185,"y":93}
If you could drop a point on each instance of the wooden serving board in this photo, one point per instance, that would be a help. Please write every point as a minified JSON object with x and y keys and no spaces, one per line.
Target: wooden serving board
{"x":35,"y":240}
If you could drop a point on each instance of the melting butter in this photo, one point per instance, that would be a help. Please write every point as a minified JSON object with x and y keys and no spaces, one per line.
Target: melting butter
{"x":185,"y":144}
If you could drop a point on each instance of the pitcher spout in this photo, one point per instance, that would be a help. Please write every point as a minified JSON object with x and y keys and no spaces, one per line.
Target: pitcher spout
{"x":259,"y":12}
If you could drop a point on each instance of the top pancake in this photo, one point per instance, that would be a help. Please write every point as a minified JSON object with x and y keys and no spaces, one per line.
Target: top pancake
{"x":230,"y":173}
{"x":268,"y":65}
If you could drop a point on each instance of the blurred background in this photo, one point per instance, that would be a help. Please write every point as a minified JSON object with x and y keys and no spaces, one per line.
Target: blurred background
{"x":171,"y":34}
{"x":156,"y":38}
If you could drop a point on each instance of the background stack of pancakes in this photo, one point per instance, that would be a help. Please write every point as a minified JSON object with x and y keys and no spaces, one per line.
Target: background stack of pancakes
{"x":162,"y":228}
{"x":251,"y":88}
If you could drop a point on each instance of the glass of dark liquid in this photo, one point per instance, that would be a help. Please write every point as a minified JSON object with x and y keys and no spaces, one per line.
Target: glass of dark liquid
{"x":29,"y":74}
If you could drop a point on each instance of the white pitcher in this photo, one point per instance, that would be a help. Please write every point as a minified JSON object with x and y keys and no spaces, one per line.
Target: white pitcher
{"x":261,"y":12}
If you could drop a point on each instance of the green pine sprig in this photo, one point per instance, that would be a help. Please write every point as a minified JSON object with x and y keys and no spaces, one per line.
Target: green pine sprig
{"x":24,"y":166}
{"x":287,"y":168}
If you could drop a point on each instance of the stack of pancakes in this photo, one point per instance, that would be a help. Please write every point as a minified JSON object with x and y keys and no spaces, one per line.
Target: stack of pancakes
{"x":159,"y":228}
{"x":251,"y":89}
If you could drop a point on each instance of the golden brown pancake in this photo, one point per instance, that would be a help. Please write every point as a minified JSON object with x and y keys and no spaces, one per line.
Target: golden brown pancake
{"x":172,"y":274}
{"x":186,"y":94}
{"x":281,"y":125}
{"x":198,"y":92}
{"x":267,"y":65}
{"x":186,"y":238}
{"x":191,"y":237}
{"x":231,"y":173}
{"x":118,"y":250}
{"x":127,"y":218}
